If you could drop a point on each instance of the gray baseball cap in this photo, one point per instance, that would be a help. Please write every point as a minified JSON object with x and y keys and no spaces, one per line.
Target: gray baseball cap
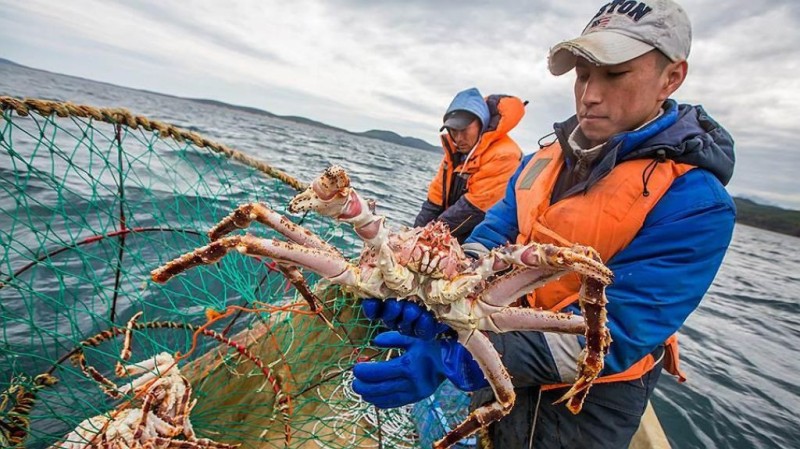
{"x":626,"y":29}
{"x":458,"y":119}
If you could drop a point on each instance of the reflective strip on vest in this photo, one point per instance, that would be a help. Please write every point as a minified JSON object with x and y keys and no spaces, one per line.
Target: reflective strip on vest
{"x":607,"y":217}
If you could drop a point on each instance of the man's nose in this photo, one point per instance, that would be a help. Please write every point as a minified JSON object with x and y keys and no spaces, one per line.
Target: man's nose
{"x":592,"y":93}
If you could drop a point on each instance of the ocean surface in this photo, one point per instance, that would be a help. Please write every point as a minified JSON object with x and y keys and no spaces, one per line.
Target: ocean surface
{"x":740,"y":349}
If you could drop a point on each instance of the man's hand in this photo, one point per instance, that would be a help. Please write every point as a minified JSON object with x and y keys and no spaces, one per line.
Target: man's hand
{"x":408,"y":317}
{"x":417,"y":373}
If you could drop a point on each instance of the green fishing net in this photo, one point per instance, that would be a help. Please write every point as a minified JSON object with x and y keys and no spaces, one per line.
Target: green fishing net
{"x":92,"y":200}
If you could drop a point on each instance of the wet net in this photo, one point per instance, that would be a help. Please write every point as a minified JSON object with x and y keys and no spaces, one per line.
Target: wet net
{"x":91,"y":200}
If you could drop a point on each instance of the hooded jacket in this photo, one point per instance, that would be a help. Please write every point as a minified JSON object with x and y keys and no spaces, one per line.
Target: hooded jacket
{"x":682,"y":240}
{"x":465,"y":186}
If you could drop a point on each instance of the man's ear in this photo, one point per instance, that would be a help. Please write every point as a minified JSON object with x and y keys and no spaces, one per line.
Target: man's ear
{"x":673,"y":76}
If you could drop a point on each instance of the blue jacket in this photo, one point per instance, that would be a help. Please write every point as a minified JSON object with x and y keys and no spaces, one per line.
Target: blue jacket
{"x":662,"y":275}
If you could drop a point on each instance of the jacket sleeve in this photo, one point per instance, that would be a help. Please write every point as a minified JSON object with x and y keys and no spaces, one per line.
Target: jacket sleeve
{"x":500,"y":224}
{"x":486,"y":185}
{"x":660,"y":278}
{"x":435,"y":192}
{"x":461,"y":218}
{"x":427,"y":213}
{"x":663,"y":274}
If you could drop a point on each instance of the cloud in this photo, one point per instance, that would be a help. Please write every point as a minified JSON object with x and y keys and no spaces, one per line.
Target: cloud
{"x":361,"y":64}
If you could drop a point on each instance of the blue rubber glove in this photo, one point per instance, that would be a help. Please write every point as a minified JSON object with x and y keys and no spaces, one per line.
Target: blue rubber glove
{"x":405,"y":316}
{"x":417,"y":373}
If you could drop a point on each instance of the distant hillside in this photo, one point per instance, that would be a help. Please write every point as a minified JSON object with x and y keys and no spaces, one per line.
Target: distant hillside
{"x":251,"y":110}
{"x":389,"y":136}
{"x":6,"y":61}
{"x":770,"y":218}
{"x":386,"y":136}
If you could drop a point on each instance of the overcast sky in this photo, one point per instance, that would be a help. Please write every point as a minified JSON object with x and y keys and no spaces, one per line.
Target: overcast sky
{"x":395,"y":65}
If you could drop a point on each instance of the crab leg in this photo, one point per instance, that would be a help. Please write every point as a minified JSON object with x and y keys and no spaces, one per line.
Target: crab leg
{"x":121,"y":370}
{"x":331,"y":266}
{"x":580,"y":259}
{"x":543,"y":263}
{"x":492,"y":366}
{"x":494,"y":305}
{"x":296,"y":278}
{"x":200,"y":443}
{"x":546,"y":263}
{"x":245,"y":214}
{"x":154,"y":396}
{"x":15,"y":424}
{"x":506,"y":289}
{"x":591,"y":298}
{"x":396,"y":276}
{"x":593,"y":307}
{"x":109,"y":387}
{"x":177,"y":414}
{"x":512,"y":319}
{"x":125,"y":354}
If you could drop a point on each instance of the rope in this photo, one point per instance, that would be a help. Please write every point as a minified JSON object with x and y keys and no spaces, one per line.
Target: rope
{"x":121,"y":116}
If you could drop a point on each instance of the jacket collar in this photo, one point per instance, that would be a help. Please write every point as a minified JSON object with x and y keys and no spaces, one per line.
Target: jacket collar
{"x":621,"y":145}
{"x":684,"y":133}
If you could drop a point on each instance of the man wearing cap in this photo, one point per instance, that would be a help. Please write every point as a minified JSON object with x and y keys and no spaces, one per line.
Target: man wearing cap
{"x":633,"y":174}
{"x":479,"y":158}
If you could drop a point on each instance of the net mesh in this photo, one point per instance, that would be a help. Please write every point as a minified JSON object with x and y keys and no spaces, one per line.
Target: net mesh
{"x":91,"y":200}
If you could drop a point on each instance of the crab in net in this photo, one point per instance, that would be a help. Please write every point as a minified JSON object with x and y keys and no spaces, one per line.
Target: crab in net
{"x":163,"y":414}
{"x":428,"y":266}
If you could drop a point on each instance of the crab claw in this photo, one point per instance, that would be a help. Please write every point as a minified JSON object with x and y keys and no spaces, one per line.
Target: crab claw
{"x":328,"y":194}
{"x":331,"y":195}
{"x":581,"y":259}
{"x":587,"y":262}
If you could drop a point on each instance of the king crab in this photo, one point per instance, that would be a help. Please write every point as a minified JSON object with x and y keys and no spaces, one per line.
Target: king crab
{"x":428,"y":266}
{"x":164,"y":413}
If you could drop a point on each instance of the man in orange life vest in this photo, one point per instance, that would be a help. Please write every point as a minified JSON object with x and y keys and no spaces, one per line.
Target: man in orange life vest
{"x":633,"y":174}
{"x":479,"y":158}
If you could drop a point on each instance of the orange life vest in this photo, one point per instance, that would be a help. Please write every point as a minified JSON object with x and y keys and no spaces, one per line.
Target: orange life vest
{"x":607,"y":217}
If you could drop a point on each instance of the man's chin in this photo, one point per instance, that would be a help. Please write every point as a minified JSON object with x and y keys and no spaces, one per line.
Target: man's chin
{"x":595,"y":136}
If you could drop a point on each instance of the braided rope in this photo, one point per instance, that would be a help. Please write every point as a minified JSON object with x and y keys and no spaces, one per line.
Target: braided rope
{"x":122,"y":116}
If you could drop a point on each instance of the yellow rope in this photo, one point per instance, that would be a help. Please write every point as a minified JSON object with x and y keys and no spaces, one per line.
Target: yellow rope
{"x":124,"y":117}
